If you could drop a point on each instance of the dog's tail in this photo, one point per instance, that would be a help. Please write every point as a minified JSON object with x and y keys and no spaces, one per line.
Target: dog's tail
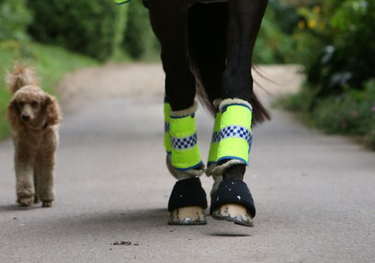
{"x":21,"y":76}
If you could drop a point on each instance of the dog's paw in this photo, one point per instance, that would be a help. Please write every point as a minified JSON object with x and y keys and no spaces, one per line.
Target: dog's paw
{"x":47,"y":204}
{"x":25,"y":201}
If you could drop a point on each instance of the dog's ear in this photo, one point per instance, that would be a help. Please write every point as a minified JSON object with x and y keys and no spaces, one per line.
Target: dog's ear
{"x":52,"y":111}
{"x":13,"y":115}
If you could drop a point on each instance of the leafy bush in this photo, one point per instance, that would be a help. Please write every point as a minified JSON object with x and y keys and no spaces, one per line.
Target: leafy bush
{"x":351,"y":113}
{"x":14,"y":19}
{"x":336,"y":44}
{"x":94,"y":28}
{"x":275,"y":43}
{"x":139,"y":40}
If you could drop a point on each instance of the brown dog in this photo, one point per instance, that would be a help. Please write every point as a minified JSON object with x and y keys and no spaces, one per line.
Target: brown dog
{"x":34,"y":117}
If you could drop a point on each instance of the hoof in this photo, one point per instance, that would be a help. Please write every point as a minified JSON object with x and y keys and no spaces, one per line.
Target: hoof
{"x":233,"y":213}
{"x":191,"y":215}
{"x":47,"y":204}
{"x":25,"y":201}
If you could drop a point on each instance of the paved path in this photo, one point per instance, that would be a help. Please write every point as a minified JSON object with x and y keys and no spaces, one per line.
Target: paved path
{"x":314,"y":193}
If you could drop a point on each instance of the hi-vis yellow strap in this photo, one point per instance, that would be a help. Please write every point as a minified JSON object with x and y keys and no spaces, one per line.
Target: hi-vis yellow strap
{"x":212,"y":156}
{"x":235,"y":133}
{"x":120,"y":2}
{"x":184,"y":141}
{"x":167,"y":138}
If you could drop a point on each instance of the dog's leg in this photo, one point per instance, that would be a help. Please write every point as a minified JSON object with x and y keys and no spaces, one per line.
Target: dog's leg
{"x":36,"y":172}
{"x":24,"y":162}
{"x":45,"y":164}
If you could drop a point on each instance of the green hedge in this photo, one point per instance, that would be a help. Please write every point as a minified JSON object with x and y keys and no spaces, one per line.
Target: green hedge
{"x":93,"y":28}
{"x":336,"y":46}
{"x":275,"y":44}
{"x":351,"y":113}
{"x":139,"y":41}
{"x":14,"y":19}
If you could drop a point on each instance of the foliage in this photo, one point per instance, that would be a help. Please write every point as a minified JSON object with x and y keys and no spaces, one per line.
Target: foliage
{"x":335,"y":45}
{"x":14,"y":19}
{"x":94,"y":28}
{"x":52,"y":64}
{"x":351,"y":113}
{"x":139,"y":40}
{"x":275,"y":43}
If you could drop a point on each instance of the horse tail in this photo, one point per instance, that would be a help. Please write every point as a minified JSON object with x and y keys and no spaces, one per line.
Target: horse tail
{"x":21,"y":75}
{"x":206,"y":33}
{"x":260,"y":113}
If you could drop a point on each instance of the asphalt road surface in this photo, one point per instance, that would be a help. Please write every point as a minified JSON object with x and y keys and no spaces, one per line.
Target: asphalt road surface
{"x":314,"y":193}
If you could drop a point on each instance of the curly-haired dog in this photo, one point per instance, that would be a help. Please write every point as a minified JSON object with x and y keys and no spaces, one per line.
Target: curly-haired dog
{"x":34,"y":117}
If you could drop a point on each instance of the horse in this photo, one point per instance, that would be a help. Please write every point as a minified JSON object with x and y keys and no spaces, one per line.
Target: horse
{"x":206,"y":50}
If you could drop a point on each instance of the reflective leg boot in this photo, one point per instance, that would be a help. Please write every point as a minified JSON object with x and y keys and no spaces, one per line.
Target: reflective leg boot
{"x":188,"y":199}
{"x":232,"y":200}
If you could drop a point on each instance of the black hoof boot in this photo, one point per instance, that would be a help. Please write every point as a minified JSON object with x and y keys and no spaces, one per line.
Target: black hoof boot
{"x":233,"y":202}
{"x":187,"y":203}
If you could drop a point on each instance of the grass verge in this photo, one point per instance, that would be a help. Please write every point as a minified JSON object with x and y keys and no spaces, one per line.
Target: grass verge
{"x":352,"y":113}
{"x":51,"y":63}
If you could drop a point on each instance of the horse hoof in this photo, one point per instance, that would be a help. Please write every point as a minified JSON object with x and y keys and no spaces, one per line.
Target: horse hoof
{"x":233,"y":213}
{"x":190,"y":215}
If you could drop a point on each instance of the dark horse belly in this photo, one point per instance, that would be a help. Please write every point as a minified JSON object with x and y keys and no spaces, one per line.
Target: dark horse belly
{"x":211,"y":1}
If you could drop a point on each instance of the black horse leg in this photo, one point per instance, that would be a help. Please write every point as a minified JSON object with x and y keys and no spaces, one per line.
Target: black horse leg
{"x":232,"y":201}
{"x":188,"y":199}
{"x":169,"y":22}
{"x":244,"y":22}
{"x":169,"y":19}
{"x":207,"y":43}
{"x":208,"y":46}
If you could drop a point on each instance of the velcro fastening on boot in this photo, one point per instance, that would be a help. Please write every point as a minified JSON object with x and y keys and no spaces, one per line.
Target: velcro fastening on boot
{"x":233,"y":192}
{"x":188,"y":192}
{"x":167,"y":139}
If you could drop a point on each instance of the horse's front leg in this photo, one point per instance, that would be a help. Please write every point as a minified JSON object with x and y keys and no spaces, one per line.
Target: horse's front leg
{"x":188,"y":199}
{"x":232,"y":201}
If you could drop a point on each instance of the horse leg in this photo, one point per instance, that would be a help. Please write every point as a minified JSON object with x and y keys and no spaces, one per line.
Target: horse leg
{"x":188,"y":199}
{"x":233,"y":201}
{"x":207,"y":43}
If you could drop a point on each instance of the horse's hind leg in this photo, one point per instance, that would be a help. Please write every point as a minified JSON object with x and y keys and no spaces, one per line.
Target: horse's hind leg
{"x":208,"y":44}
{"x":188,"y":199}
{"x":233,"y":201}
